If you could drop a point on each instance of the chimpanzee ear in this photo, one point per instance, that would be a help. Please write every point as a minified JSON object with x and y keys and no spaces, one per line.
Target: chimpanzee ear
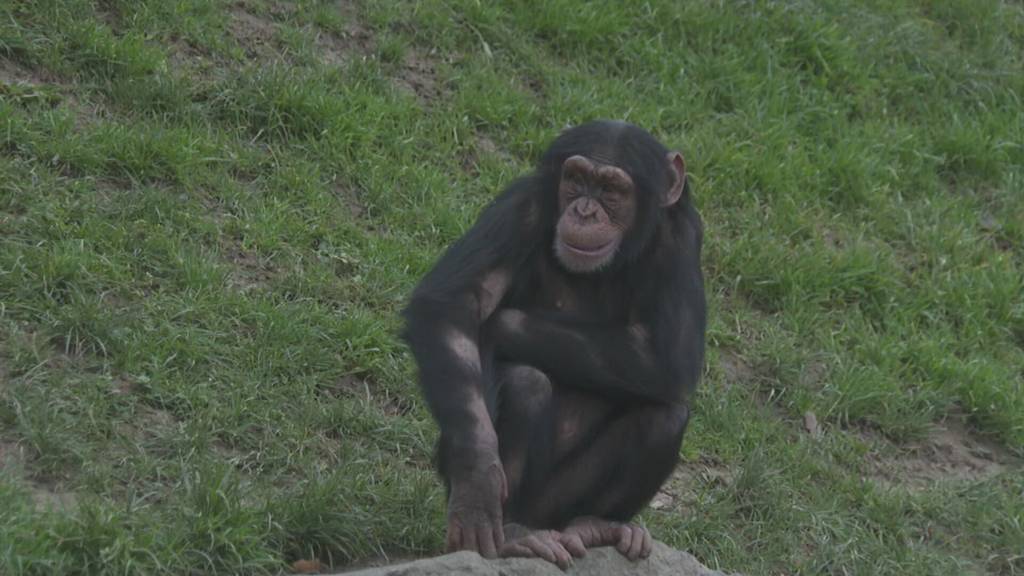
{"x":677,"y":167}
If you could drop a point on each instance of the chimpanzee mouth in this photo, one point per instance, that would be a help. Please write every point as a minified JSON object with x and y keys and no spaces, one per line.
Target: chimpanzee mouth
{"x":591,"y":252}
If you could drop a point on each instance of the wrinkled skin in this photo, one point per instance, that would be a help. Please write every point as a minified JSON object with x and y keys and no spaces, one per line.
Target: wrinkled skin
{"x":596,"y":206}
{"x":560,"y":547}
{"x":631,"y":540}
{"x":474,"y":510}
{"x":549,"y":545}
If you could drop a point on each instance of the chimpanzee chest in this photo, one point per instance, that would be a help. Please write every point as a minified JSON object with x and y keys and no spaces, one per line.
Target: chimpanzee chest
{"x":589,"y":296}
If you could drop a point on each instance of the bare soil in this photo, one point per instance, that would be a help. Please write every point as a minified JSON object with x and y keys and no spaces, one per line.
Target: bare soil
{"x":45,"y":494}
{"x":253,"y":32}
{"x":950,"y":452}
{"x":418,"y":75}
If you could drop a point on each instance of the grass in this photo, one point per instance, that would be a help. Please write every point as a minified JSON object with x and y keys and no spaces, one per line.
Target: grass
{"x":210,"y":213}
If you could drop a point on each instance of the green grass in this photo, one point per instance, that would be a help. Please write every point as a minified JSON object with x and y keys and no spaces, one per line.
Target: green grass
{"x":211,"y":212}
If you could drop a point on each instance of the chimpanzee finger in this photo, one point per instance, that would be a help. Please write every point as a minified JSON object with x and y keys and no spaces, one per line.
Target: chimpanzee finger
{"x":469,"y":540}
{"x":574,"y":544}
{"x":637,"y":543}
{"x":485,"y":541}
{"x":648,"y":544}
{"x":557,"y":554}
{"x":540,"y":549}
{"x":499,"y":535}
{"x":454,"y":538}
{"x":625,"y":539}
{"x":517,"y":550}
{"x":562,"y":557}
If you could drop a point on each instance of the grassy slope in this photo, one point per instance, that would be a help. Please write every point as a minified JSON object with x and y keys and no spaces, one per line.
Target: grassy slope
{"x":210,"y":213}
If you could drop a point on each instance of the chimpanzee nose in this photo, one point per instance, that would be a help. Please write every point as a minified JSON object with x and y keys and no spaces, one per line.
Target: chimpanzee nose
{"x":586,"y":207}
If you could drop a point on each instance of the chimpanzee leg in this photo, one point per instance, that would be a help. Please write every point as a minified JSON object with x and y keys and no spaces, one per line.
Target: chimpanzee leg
{"x":609,"y":460}
{"x":523,"y":415}
{"x":525,"y":426}
{"x":569,"y":454}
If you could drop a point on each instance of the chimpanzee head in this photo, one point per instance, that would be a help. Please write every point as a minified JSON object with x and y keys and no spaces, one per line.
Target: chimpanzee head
{"x":607,"y":184}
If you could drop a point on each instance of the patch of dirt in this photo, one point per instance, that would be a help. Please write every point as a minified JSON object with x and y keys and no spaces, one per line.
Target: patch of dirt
{"x":45,"y":494}
{"x":418,"y":75}
{"x":482,"y":145}
{"x":536,"y":86}
{"x":110,"y":15}
{"x":14,"y":73}
{"x":351,"y":200}
{"x":680,"y":491}
{"x":831,"y":238}
{"x":355,"y":42}
{"x":150,"y":423}
{"x":122,"y":386}
{"x":71,"y":346}
{"x":814,"y":374}
{"x":248,"y":270}
{"x":358,"y":210}
{"x":190,"y":60}
{"x":37,"y":86}
{"x":486,"y":145}
{"x":394,"y":405}
{"x":734,"y":368}
{"x":337,"y":50}
{"x":382,"y":561}
{"x":22,"y":85}
{"x":253,"y":32}
{"x":11,"y":455}
{"x":349,"y":385}
{"x":48,"y":496}
{"x":4,"y":374}
{"x":249,"y":462}
{"x":992,"y":228}
{"x":950,"y":452}
{"x":355,"y":387}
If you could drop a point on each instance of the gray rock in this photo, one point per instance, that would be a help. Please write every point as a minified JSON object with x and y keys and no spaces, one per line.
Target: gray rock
{"x":597,"y":562}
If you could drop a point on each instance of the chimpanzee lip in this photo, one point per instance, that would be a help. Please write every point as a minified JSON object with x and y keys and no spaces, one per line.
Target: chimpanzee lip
{"x":591,"y":252}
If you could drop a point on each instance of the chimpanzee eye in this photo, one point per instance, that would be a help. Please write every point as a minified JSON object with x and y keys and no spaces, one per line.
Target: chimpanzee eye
{"x":614,"y":189}
{"x":575,"y":184}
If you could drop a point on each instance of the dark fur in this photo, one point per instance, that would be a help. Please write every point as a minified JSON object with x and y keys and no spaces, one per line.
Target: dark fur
{"x":580,"y":338}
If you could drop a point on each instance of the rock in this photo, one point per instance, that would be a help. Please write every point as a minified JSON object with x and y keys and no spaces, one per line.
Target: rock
{"x":597,"y":562}
{"x":811,"y":425}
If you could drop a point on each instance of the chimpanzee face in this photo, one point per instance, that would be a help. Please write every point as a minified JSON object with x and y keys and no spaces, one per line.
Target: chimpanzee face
{"x":596,"y":207}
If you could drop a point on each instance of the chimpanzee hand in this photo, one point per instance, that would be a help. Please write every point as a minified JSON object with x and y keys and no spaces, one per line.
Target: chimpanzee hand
{"x":631,"y":540}
{"x":474,"y":510}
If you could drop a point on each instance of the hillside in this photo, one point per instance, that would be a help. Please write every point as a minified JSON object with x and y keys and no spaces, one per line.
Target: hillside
{"x":211,"y":213}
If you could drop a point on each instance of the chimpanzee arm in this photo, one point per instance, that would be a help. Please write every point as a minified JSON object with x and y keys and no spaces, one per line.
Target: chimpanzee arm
{"x":443,"y":321}
{"x":658,"y":357}
{"x":450,"y":304}
{"x":617,"y":360}
{"x":609,"y":356}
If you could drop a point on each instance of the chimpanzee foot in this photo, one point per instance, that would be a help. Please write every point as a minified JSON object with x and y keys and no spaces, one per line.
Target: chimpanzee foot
{"x":631,"y":540}
{"x":523,"y":542}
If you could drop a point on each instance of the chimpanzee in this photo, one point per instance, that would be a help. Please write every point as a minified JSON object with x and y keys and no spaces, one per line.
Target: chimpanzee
{"x":558,"y":344}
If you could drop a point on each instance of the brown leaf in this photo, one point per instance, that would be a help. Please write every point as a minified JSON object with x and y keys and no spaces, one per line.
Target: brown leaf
{"x":306,"y":566}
